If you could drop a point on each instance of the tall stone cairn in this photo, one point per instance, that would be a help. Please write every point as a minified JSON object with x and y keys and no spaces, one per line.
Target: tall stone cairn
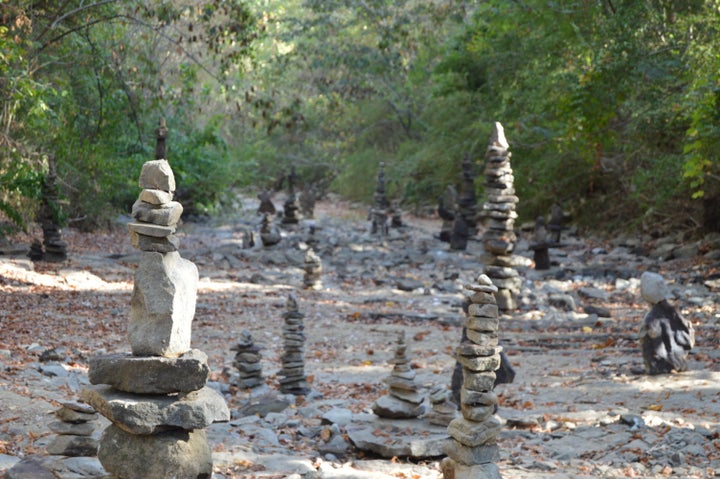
{"x":312,"y":279}
{"x":291,"y":207}
{"x":156,"y":396}
{"x":467,"y":200}
{"x":379,"y":211}
{"x":473,"y":451}
{"x":293,"y":379}
{"x":247,"y":362}
{"x":499,"y":238}
{"x":403,"y":400}
{"x":55,"y":247}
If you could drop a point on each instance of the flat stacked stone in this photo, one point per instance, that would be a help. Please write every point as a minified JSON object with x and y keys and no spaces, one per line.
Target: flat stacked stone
{"x":403,"y":400}
{"x":379,"y":211}
{"x":291,"y":207}
{"x":74,"y":428}
{"x":247,"y":362}
{"x":156,"y":397}
{"x":474,"y":451}
{"x":499,"y":210}
{"x":443,"y":410}
{"x":467,"y":201}
{"x":293,"y":379}
{"x":313,"y":270}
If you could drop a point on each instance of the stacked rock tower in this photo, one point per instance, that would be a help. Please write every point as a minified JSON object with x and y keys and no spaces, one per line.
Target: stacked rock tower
{"x":291,"y":207}
{"x":312,"y":279}
{"x":55,"y":247}
{"x":499,"y":238}
{"x":473,"y":451}
{"x":247,"y":362}
{"x":293,"y":380}
{"x":403,"y":400}
{"x":379,"y":211}
{"x":74,"y":427}
{"x":156,"y":396}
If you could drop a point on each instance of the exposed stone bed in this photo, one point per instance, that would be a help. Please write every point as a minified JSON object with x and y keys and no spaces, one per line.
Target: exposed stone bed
{"x":576,"y":409}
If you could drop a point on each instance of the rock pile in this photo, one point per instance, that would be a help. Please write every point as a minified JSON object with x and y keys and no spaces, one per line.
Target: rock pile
{"x":467,"y":201}
{"x":74,"y":427}
{"x":156,"y":397}
{"x":403,"y":400}
{"x":293,"y":379}
{"x":247,"y":362}
{"x":443,"y":410}
{"x":379,"y":211}
{"x":499,"y":238}
{"x":665,"y":337}
{"x":474,"y":450}
{"x":266,"y":205}
{"x":291,"y":207}
{"x":313,"y":270}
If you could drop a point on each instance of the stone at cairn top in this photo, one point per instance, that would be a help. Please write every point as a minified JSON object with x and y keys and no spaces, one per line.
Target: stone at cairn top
{"x":653,"y":287}
{"x":157,"y":175}
{"x":161,"y":133}
{"x":498,"y":137}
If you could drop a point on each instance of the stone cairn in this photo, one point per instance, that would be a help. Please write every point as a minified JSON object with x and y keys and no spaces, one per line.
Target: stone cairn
{"x":308,"y":197}
{"x":269,"y":233}
{"x":74,"y":427}
{"x":396,"y":215}
{"x":247,"y":362}
{"x":467,"y":200}
{"x":666,"y":337}
{"x":443,"y":410}
{"x":266,"y":206}
{"x":379,"y":211}
{"x":293,"y":379}
{"x":291,"y":207}
{"x":555,"y":225}
{"x":499,"y":237}
{"x":540,"y":244}
{"x":156,"y":396}
{"x":473,"y":451}
{"x":53,"y":248}
{"x":447,"y":210}
{"x":403,"y":400}
{"x":313,"y":271}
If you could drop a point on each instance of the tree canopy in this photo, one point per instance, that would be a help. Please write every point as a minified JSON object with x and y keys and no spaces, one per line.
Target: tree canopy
{"x":610,"y":107}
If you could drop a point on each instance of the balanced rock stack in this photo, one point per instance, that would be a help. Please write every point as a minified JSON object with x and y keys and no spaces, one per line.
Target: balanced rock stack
{"x":443,"y":410}
{"x":54,"y":246}
{"x":291,"y":207}
{"x":74,"y":427}
{"x":467,"y":201}
{"x":379,"y":211}
{"x":447,"y":210}
{"x":293,"y":379}
{"x":666,"y":337}
{"x":156,"y":397}
{"x":247,"y":362}
{"x":403,"y":401}
{"x":474,"y":449}
{"x":499,"y":238}
{"x":313,"y":271}
{"x":269,"y":234}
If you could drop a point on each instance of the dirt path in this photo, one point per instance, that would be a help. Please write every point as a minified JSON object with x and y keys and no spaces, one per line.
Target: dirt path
{"x":576,"y":408}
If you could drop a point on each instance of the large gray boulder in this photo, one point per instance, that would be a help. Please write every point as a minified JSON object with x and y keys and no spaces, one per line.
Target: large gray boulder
{"x":171,"y":454}
{"x":162,"y":305}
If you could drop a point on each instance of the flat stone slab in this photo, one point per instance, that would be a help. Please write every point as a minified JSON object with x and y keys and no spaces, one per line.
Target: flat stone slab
{"x":150,"y":374}
{"x":150,"y":414}
{"x":413,"y":438}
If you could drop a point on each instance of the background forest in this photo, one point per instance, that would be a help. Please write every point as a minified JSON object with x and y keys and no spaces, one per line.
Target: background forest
{"x":611,"y":107}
